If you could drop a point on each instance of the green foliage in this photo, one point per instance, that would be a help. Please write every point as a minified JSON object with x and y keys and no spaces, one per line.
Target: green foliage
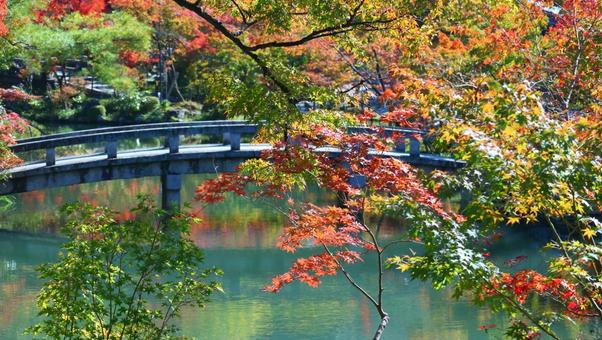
{"x":125,"y":108}
{"x":199,"y":80}
{"x":6,"y":202}
{"x":8,"y":53}
{"x":100,"y":38}
{"x":153,"y":116}
{"x":66,"y":114}
{"x":134,"y":106}
{"x":118,"y":280}
{"x":241,"y":94}
{"x":187,"y":105}
{"x":150,"y":104}
{"x":94,"y":113}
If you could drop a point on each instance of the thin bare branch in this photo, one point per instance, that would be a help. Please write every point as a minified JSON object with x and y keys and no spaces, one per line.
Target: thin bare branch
{"x":330,"y":31}
{"x":350,"y":279}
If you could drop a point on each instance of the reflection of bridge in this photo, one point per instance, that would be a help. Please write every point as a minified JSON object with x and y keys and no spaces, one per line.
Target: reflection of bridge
{"x":171,"y":161}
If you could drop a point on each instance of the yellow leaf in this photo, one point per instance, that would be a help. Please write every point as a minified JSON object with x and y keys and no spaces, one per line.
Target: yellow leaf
{"x":403,"y":267}
{"x":488,"y":108}
{"x":513,"y":220}
{"x":521,"y":148}
{"x":589,"y":233}
{"x":446,"y":136}
{"x":510,"y":131}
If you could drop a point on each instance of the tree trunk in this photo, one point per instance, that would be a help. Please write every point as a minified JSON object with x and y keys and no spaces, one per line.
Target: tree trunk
{"x":381,"y":327}
{"x":174,"y":84}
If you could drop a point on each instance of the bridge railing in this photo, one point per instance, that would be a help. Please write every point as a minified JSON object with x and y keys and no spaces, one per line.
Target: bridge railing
{"x":413,"y":138}
{"x":231,"y":131}
{"x":129,"y":128}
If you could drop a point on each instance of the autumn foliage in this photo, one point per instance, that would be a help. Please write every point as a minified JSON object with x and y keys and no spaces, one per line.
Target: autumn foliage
{"x":3,"y":28}
{"x":510,"y":87}
{"x":365,"y":180}
{"x":58,"y":8}
{"x":10,"y":124}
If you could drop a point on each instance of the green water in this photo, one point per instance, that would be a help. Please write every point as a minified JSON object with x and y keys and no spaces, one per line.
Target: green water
{"x":239,"y":237}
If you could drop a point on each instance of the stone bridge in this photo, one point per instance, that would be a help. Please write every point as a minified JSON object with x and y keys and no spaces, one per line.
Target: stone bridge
{"x":172,"y":160}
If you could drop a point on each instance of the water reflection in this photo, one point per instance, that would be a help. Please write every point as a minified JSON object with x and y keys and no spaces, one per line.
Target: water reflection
{"x":239,"y":237}
{"x":19,"y":256}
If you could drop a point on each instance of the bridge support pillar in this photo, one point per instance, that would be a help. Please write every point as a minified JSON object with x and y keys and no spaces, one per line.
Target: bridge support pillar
{"x":170,"y":191}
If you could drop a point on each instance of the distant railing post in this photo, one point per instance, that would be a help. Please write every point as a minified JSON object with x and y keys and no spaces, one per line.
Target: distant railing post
{"x":232,"y":139}
{"x":414,"y":146}
{"x":173,"y":143}
{"x":111,"y":149}
{"x":50,"y":156}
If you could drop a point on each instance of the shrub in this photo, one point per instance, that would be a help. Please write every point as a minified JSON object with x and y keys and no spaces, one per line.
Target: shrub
{"x":122,"y":280}
{"x":99,"y":110}
{"x":133,"y":107}
{"x":128,"y":105}
{"x":92,"y":114}
{"x":150,"y":104}
{"x":153,"y":116}
{"x":188,"y":105}
{"x":67,"y":97}
{"x":66,"y":114}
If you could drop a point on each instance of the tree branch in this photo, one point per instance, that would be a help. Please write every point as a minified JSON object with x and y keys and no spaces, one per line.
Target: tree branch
{"x":365,"y":78}
{"x":233,"y":38}
{"x":331,"y":31}
{"x":586,"y":289}
{"x":349,"y":25}
{"x":243,"y":13}
{"x":350,"y":279}
{"x":522,"y":310}
{"x":381,"y":326}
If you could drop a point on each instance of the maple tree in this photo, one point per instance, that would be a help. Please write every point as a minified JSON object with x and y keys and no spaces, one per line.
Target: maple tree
{"x":369,"y":186}
{"x":10,"y":124}
{"x":273,"y":35}
{"x":3,"y":9}
{"x":506,"y":86}
{"x":117,"y":42}
{"x":529,"y":167}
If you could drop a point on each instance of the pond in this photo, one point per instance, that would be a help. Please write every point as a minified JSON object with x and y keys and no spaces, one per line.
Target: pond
{"x":239,"y":236}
